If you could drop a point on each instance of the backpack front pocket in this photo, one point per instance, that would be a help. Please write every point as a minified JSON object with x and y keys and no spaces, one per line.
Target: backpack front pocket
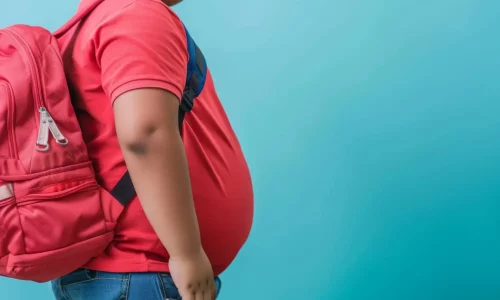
{"x":11,"y":234}
{"x":61,"y":214}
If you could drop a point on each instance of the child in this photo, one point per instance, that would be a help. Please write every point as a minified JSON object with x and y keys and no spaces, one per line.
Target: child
{"x":194,"y":210}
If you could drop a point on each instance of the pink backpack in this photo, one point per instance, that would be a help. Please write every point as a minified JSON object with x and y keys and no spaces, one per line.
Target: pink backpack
{"x":54,"y":216}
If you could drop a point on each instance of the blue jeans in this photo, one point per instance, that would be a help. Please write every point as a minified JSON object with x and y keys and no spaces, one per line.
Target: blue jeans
{"x":95,"y":285}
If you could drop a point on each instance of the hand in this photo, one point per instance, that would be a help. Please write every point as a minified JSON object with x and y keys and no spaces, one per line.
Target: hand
{"x":193,"y":276}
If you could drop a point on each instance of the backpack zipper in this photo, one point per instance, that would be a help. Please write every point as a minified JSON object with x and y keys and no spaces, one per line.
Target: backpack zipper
{"x":37,"y":91}
{"x":11,"y":121}
{"x":45,"y":121}
{"x":48,"y":124}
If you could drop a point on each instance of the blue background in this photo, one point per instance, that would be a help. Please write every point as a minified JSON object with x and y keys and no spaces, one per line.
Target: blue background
{"x":373,"y":135}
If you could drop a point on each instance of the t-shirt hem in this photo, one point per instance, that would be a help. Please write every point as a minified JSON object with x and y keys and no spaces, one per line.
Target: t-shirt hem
{"x":127,"y":267}
{"x":145,"y":83}
{"x":117,"y":266}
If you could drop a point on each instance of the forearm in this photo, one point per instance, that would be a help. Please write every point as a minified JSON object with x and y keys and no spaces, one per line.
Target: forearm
{"x":158,"y":168}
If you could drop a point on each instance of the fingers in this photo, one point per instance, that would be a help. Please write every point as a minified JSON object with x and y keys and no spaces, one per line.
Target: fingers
{"x":213,"y":290}
{"x":204,"y":291}
{"x":187,"y":294}
{"x":206,"y":295}
{"x":199,"y":295}
{"x":209,"y":294}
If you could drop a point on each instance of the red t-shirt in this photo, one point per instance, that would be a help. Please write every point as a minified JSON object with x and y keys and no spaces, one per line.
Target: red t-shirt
{"x":129,"y":44}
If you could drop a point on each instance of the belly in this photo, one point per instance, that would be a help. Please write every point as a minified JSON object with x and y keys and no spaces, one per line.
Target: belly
{"x":223,"y":197}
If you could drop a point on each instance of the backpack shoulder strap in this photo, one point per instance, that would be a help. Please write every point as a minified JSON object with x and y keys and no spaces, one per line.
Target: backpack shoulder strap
{"x":124,"y":190}
{"x":196,"y":77}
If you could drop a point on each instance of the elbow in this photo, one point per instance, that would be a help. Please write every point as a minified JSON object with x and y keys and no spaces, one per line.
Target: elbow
{"x":145,"y":137}
{"x":138,"y":147}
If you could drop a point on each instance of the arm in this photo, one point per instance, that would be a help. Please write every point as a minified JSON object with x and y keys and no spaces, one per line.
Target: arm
{"x":143,"y":57}
{"x":148,"y":132}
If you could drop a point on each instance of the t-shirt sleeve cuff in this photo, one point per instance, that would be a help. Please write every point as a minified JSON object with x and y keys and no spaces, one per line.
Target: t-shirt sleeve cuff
{"x":145,"y":83}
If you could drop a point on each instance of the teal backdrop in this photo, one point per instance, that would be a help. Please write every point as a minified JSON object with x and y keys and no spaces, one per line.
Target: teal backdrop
{"x":372,"y":130}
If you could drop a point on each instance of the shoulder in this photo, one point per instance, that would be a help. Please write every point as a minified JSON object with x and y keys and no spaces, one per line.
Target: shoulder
{"x":139,"y":44}
{"x":137,"y":15}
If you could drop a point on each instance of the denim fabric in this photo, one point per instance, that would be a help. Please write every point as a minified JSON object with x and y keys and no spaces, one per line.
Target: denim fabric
{"x":95,"y":285}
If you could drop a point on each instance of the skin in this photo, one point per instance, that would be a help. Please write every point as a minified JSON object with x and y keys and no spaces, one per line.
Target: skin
{"x":171,"y":2}
{"x":147,"y":128}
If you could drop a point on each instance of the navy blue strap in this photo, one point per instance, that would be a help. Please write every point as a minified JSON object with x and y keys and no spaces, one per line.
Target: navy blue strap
{"x":124,"y":190}
{"x":195,"y":79}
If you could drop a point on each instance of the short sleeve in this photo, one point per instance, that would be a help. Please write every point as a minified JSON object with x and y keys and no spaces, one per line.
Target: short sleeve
{"x":142,"y":46}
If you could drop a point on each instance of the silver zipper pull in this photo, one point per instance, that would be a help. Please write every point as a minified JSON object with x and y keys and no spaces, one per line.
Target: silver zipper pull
{"x":42,"y":143}
{"x":56,"y":133}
